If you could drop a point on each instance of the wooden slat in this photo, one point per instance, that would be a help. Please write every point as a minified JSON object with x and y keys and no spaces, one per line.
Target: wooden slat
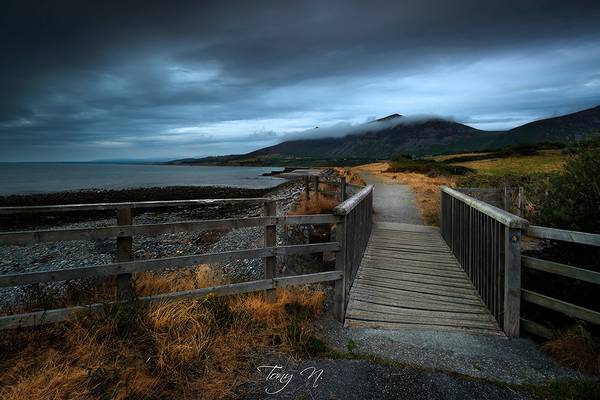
{"x":132,"y":205}
{"x":418,"y":286}
{"x":561,"y":306}
{"x":389,"y":312}
{"x":434,"y":320}
{"x":496,"y":213}
{"x":161,"y":263}
{"x":415,"y":302}
{"x":592,"y":239}
{"x":379,"y":288}
{"x":31,"y":237}
{"x":356,"y":323}
{"x":537,"y":329}
{"x":366,"y":265}
{"x":561,"y":269}
{"x":58,"y":315}
{"x":403,"y":275}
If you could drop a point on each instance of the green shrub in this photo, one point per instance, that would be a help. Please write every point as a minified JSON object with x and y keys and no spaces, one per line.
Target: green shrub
{"x":572,"y":200}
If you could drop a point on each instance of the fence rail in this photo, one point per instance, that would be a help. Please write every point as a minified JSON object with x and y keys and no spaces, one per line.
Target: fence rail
{"x":352,"y":219}
{"x":486,"y":243}
{"x":555,"y":268}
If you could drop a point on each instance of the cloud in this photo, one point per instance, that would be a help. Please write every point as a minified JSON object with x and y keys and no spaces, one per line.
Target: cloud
{"x":200,"y":78}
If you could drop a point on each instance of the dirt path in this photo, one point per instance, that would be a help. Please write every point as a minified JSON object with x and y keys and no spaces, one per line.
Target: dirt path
{"x":393,"y":202}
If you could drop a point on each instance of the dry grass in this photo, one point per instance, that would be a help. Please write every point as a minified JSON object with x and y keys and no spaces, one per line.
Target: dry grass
{"x":314,"y":205}
{"x":201,"y":349}
{"x":351,"y":175}
{"x":577,"y":349}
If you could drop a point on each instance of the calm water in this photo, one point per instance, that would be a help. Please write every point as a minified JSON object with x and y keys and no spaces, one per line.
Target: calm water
{"x":46,"y":178}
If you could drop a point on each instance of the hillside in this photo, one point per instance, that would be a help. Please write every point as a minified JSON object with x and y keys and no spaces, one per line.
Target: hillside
{"x":382,"y":138}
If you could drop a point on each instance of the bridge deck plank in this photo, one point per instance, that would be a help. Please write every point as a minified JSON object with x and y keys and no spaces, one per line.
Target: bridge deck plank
{"x":409,"y":279}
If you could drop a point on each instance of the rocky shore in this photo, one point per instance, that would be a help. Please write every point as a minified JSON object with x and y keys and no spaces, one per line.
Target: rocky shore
{"x":70,"y":254}
{"x":60,"y":255}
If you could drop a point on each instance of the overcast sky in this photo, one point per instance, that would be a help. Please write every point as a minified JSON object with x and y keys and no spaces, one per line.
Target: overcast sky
{"x":83,"y":80}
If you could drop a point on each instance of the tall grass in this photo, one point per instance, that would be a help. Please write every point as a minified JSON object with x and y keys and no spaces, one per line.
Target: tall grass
{"x":201,"y":348}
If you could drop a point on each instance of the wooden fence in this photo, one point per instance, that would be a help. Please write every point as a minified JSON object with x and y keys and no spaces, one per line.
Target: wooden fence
{"x":352,"y":232}
{"x":508,"y":198}
{"x":568,"y":271}
{"x":486,"y":242}
{"x":347,"y":215}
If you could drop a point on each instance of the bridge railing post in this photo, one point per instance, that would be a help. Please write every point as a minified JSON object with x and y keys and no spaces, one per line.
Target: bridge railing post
{"x":339,"y":291}
{"x":512,"y":281}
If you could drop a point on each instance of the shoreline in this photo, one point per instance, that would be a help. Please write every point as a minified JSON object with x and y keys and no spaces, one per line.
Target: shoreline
{"x":85,"y":196}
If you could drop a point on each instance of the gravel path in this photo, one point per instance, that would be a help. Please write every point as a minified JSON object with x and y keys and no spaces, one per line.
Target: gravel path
{"x":393,"y":202}
{"x":490,"y":357}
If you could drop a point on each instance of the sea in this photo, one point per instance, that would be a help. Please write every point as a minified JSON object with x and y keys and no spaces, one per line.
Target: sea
{"x":29,"y":178}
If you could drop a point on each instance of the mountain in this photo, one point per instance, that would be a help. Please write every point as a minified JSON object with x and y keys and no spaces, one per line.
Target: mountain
{"x":568,"y":127}
{"x":382,"y":138}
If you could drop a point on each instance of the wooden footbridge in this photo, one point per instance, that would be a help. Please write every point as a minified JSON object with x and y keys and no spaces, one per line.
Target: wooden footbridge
{"x":409,"y":278}
{"x":466,"y":275}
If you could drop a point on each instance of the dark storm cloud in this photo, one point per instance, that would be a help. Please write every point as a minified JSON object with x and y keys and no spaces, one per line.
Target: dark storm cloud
{"x":88,"y":80}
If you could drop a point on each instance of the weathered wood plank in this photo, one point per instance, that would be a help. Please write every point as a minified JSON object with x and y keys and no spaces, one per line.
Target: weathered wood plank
{"x":420,"y":319}
{"x":592,"y":239}
{"x":536,"y":329}
{"x":347,"y":206}
{"x":366,"y":265}
{"x":415,"y":277}
{"x":561,"y":306}
{"x":270,"y":240}
{"x":381,"y":289}
{"x":418,"y":313}
{"x":124,"y":254}
{"x":561,"y":269}
{"x":415,"y":302}
{"x":114,"y":206}
{"x":356,"y":323}
{"x":58,"y":315}
{"x":159,"y":264}
{"x":32,"y":237}
{"x":496,"y":213}
{"x":512,"y":281}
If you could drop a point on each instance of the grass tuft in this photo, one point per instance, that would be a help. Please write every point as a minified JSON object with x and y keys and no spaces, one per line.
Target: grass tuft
{"x":180,"y":349}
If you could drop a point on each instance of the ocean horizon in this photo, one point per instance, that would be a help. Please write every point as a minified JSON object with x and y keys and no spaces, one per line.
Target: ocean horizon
{"x":32,"y":178}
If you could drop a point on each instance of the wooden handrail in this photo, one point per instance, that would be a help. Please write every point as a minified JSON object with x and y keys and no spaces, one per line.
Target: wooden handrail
{"x":347,"y":206}
{"x":496,"y":213}
{"x":592,"y":239}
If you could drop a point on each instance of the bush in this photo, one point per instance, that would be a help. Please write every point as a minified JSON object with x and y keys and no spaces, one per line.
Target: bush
{"x":572,"y":200}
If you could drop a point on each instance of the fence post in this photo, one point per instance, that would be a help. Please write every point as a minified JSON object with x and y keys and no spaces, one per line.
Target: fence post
{"x":520,"y":201}
{"x":512,"y":281}
{"x":343,"y":195}
{"x":270,"y":209}
{"x":307,"y":187}
{"x":316,"y":183}
{"x":124,"y":254}
{"x":507,"y":199}
{"x":339,"y":291}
